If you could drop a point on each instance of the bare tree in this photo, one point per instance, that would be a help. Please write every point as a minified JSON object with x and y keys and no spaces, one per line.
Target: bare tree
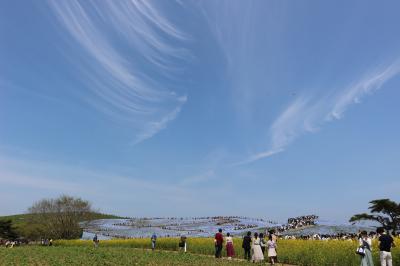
{"x":60,"y":217}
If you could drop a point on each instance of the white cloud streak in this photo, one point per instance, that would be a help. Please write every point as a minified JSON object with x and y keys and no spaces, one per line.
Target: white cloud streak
{"x":127,"y":40}
{"x":153,"y":127}
{"x":369,"y":84}
{"x":306,"y":115}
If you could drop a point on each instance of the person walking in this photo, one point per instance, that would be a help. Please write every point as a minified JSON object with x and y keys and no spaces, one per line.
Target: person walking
{"x":366,"y":244}
{"x":153,"y":241}
{"x":271,"y":245}
{"x":246,"y":245}
{"x":386,"y":242}
{"x":218,"y":241}
{"x":257,"y":252}
{"x":230,"y":251}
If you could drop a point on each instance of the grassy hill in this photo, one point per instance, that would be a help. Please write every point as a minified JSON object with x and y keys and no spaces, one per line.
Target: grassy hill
{"x":20,"y":219}
{"x":25,"y":228}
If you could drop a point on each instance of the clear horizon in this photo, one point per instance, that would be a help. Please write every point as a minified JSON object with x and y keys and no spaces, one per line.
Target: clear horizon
{"x":184,"y":108}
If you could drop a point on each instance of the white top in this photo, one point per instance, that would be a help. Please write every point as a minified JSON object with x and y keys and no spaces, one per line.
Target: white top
{"x":229,"y":239}
{"x":271,"y":244}
{"x":366,"y":239}
{"x":256,"y":241}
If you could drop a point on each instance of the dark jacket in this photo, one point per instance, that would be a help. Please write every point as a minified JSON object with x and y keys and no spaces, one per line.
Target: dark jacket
{"x":246,"y":242}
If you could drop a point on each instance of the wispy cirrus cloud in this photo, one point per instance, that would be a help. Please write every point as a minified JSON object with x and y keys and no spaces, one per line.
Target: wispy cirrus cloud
{"x":153,"y":127}
{"x":134,"y":55}
{"x":370,"y":83}
{"x":307,"y":114}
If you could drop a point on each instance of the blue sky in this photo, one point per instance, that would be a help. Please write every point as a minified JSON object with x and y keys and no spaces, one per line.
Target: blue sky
{"x":189,"y":108}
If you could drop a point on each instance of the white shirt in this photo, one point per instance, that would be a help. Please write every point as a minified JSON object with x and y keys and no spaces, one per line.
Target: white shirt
{"x":368,"y":240}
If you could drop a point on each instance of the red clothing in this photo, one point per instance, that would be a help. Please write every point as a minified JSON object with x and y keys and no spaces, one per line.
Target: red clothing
{"x":219,"y":238}
{"x":230,"y":251}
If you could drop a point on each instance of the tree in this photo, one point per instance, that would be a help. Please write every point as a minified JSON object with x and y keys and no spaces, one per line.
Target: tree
{"x":7,"y":230}
{"x":60,"y":217}
{"x":383,"y":211}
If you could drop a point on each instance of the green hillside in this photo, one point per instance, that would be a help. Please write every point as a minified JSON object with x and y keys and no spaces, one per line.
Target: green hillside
{"x":26,"y":228}
{"x":19,"y":219}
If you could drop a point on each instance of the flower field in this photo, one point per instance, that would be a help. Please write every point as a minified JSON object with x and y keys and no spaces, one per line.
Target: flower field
{"x":129,"y":252}
{"x":297,"y":252}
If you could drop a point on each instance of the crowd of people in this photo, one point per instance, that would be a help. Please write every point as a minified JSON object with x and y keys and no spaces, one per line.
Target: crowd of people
{"x":46,"y":242}
{"x":260,"y":247}
{"x":11,"y":243}
{"x":254,"y":246}
{"x":297,"y":222}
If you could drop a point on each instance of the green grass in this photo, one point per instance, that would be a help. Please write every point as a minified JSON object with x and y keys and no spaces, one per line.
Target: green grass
{"x":297,"y":252}
{"x":76,"y":255}
{"x":135,"y":252}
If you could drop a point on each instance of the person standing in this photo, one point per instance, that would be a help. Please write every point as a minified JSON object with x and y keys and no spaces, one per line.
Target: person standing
{"x":262,"y":243}
{"x":230,"y":251}
{"x":182,"y":243}
{"x":246,"y":245}
{"x":219,"y":240}
{"x":366,"y":244}
{"x":273,"y":235}
{"x":272,"y":255}
{"x":257,"y":252}
{"x":386,"y":242}
{"x":153,"y":241}
{"x":96,"y":241}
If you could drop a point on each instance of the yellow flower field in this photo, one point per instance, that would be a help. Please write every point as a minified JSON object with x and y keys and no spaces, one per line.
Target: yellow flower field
{"x":298,"y":252}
